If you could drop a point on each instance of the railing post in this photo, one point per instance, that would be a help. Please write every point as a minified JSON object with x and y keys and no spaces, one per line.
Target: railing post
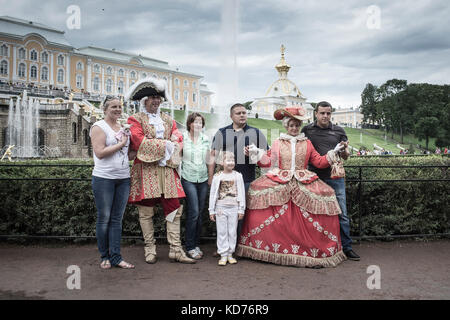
{"x":360,"y":202}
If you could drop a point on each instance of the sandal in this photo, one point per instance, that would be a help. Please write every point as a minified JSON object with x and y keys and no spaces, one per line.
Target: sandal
{"x":125,"y":265}
{"x":105,"y":264}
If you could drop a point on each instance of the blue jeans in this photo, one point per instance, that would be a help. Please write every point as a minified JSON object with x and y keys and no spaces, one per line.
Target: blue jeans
{"x":339,"y":188}
{"x":111,"y":196}
{"x":196,"y":194}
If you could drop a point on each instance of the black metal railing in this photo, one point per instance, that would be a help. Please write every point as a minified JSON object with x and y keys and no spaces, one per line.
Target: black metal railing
{"x":360,"y":181}
{"x":350,"y":179}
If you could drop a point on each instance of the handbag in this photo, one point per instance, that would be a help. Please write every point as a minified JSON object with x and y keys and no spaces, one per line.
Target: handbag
{"x":337,"y":168}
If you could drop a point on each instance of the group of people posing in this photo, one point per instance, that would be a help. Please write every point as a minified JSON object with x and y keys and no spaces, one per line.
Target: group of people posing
{"x":293,"y":214}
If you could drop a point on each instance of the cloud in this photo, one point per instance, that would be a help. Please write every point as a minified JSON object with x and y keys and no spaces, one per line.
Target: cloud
{"x":332,"y":51}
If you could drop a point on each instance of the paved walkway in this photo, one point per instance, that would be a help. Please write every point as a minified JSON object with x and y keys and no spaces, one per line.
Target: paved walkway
{"x":409,"y":270}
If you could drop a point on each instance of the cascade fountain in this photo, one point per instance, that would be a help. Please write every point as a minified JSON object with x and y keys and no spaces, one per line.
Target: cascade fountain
{"x":23,"y":124}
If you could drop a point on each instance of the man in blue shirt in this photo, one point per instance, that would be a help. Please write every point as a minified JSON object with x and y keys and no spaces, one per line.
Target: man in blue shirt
{"x":324,"y":136}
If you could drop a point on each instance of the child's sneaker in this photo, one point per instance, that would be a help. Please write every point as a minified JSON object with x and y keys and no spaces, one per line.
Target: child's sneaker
{"x":223,"y":261}
{"x":231,"y":260}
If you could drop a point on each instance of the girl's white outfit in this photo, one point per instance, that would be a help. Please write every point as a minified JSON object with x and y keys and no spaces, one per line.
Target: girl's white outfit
{"x":227,"y":201}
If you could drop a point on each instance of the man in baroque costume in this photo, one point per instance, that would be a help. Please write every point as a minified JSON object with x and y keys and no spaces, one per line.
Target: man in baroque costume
{"x":154,"y":179}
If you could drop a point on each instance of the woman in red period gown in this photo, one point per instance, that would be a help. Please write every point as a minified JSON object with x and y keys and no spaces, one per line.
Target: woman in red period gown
{"x":292,"y":215}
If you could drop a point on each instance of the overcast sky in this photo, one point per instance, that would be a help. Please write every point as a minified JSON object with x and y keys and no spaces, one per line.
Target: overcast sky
{"x":334,"y":48}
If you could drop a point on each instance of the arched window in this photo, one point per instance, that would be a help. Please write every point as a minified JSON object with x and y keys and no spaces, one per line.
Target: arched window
{"x":33,"y":72}
{"x":155,"y":76}
{"x":79,"y":65}
{"x":185,"y":83}
{"x":177,"y":95}
{"x":44,"y":73}
{"x":109,"y":70}
{"x":41,"y":136}
{"x":4,"y":68}
{"x":185,"y":96}
{"x":96,"y":68}
{"x":121,"y":72}
{"x":4,"y":50}
{"x":144,"y":75}
{"x":79,"y":81}
{"x":108,"y":85}
{"x":74,"y":132}
{"x":21,"y":71}
{"x":33,"y":55}
{"x":194,"y":84}
{"x":60,"y":75}
{"x":177,"y":82}
{"x":21,"y":53}
{"x":61,"y":60}
{"x":194,"y":97}
{"x":96,"y":84}
{"x":85,"y":137}
{"x":133,"y":75}
{"x":120,"y":87}
{"x":45,"y":57}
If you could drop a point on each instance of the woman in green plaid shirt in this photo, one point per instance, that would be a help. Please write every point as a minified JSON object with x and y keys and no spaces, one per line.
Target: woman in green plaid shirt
{"x":194,"y":178}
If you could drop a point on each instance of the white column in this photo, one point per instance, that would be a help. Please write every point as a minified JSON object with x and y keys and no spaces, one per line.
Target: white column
{"x":50,"y":56}
{"x":102,"y":81}
{"x":68,"y":72}
{"x":115,"y":80}
{"x":169,"y":80}
{"x":125,"y":86}
{"x":88,"y":76}
{"x":14,"y":63}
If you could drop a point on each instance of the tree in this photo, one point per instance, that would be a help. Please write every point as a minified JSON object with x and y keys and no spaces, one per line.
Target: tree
{"x":247,"y":105}
{"x":431,"y":112}
{"x":368,"y":104}
{"x":427,"y":127}
{"x":391,"y":106}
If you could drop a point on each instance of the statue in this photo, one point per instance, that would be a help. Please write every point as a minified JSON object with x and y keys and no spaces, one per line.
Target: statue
{"x":8,"y":152}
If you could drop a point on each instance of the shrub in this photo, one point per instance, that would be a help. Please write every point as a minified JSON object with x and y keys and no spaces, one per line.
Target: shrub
{"x":66,"y":207}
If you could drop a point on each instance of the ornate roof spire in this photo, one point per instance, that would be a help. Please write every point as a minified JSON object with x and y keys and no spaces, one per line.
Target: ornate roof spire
{"x":282,"y":67}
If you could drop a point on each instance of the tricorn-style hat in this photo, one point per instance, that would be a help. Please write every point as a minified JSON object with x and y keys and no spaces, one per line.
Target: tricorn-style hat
{"x":297,"y":112}
{"x":148,"y":87}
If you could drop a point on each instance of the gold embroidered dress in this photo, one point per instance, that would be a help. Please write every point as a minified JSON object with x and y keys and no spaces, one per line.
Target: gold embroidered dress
{"x":149,"y":180}
{"x":292,"y":215}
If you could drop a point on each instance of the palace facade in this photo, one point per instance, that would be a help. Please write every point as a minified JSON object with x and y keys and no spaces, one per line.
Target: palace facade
{"x":33,"y":53}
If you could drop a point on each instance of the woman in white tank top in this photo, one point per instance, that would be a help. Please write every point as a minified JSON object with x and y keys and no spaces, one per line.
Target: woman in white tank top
{"x":110,"y":183}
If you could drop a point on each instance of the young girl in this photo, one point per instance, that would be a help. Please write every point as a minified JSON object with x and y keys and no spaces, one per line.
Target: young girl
{"x":227,"y":206}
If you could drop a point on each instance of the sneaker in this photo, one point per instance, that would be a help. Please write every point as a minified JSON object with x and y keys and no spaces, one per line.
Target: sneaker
{"x":231,"y":260}
{"x":200,"y":252}
{"x":351,"y":255}
{"x":194,"y":254}
{"x":223,"y":261}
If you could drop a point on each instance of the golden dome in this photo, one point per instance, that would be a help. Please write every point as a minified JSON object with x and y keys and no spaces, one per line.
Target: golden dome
{"x":283,"y":86}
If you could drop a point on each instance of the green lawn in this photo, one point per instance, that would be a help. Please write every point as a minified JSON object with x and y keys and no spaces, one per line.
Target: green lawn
{"x":272,"y":129}
{"x":407,"y":139}
{"x":368,"y":140}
